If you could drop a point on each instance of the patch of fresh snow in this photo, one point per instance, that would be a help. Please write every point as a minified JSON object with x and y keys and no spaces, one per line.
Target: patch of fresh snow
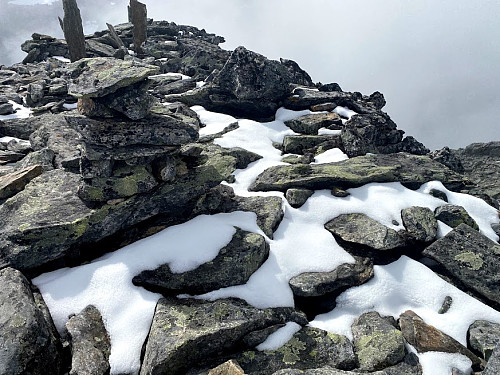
{"x":70,"y":106}
{"x":325,"y":131}
{"x":330,"y":156}
{"x":344,"y":112}
{"x":200,"y":84}
{"x":280,"y":337}
{"x":170,"y":74}
{"x":62,"y":58}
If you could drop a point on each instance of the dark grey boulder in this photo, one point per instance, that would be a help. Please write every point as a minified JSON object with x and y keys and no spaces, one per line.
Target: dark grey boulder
{"x":310,"y":124}
{"x":410,"y":170}
{"x":470,"y":258}
{"x":362,"y":230}
{"x":176,"y":87}
{"x":297,"y":197}
{"x":234,"y":265}
{"x":90,"y":343}
{"x":29,"y":341}
{"x":447,"y":302}
{"x":378,"y":344}
{"x":420,"y":223}
{"x":298,"y":159}
{"x":447,"y":157}
{"x":303,"y":144}
{"x":453,"y":216}
{"x":6,"y":109}
{"x":493,"y":365}
{"x":483,"y":336}
{"x":23,"y":127}
{"x":308,"y":348}
{"x":10,"y":157}
{"x":187,"y":333}
{"x":43,"y":157}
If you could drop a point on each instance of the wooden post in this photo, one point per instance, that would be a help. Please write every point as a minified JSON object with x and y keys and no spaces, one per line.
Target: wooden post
{"x":73,"y":30}
{"x":137,"y":14}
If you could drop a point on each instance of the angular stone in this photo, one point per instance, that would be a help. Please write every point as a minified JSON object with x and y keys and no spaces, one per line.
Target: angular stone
{"x":29,"y":342}
{"x":301,"y":144}
{"x":43,"y":157}
{"x":426,"y":338}
{"x":377,"y":343}
{"x":298,"y":159}
{"x":10,"y":157}
{"x":13,"y":183}
{"x":310,"y":124}
{"x":493,"y":365}
{"x":453,"y":216}
{"x":410,"y":170}
{"x":230,"y":367}
{"x":6,"y":109}
{"x":483,"y":337}
{"x":100,"y":76}
{"x":297,"y":197}
{"x":308,"y":348}
{"x":90,"y":343}
{"x":188,"y":332}
{"x":363,"y":230}
{"x":269,"y":211}
{"x":420,"y":223}
{"x":234,"y":265}
{"x":471,"y":258}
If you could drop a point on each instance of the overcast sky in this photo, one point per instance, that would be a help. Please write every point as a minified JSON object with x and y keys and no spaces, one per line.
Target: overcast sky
{"x":436,"y":61}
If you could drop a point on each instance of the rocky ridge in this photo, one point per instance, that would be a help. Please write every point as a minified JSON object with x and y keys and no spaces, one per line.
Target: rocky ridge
{"x":112,"y":154}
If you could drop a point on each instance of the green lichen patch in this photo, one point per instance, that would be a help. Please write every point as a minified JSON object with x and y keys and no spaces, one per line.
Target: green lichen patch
{"x":470,"y":259}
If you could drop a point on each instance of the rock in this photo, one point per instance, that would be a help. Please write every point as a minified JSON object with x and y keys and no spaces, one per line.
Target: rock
{"x":310,"y":124}
{"x":298,"y":159}
{"x":297,"y":197}
{"x":234,"y":265}
{"x":496,"y":228}
{"x":230,"y":367}
{"x":176,"y":87}
{"x":493,"y":365}
{"x":90,"y":343}
{"x":308,"y":348}
{"x":190,"y":332}
{"x":23,"y":128}
{"x":446,"y":305}
{"x":12,"y":183}
{"x":339,"y":193}
{"x":302,"y":144}
{"x":330,"y":87}
{"x":363,"y":230}
{"x":420,"y":223}
{"x":470,"y":258}
{"x":29,"y":342}
{"x":19,"y":145}
{"x":323,"y":107}
{"x":97,"y":77}
{"x":483,"y":337}
{"x":43,"y":157}
{"x":377,"y":343}
{"x":10,"y":157}
{"x":6,"y":109}
{"x":410,"y":170}
{"x":453,"y":216}
{"x":426,"y":338}
{"x":446,"y":157}
{"x":258,"y":337}
{"x":439,"y":194}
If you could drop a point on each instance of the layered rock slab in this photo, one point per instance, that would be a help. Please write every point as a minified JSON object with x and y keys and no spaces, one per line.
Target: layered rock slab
{"x":483,"y":336}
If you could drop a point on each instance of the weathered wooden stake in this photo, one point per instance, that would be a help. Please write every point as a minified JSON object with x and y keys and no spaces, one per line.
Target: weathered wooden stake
{"x":137,"y":15}
{"x":73,"y":30}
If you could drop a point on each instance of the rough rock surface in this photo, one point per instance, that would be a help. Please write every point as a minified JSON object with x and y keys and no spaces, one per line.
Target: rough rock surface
{"x":453,"y":216}
{"x":378,"y":344}
{"x":303,"y":144}
{"x":297,"y":197}
{"x":493,"y":365}
{"x":185,"y":332}
{"x":420,"y":223}
{"x":14,"y":182}
{"x":29,"y":342}
{"x":234,"y":265}
{"x":471,"y":258}
{"x":230,"y":367}
{"x":310,"y":124}
{"x":483,"y":337}
{"x":90,"y":343}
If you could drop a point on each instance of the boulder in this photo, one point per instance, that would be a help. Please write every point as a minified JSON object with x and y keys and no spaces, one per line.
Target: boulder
{"x":410,"y":170}
{"x":453,"y":216}
{"x":470,"y":258}
{"x":29,"y":341}
{"x":190,"y":332}
{"x":6,"y":109}
{"x":446,"y":157}
{"x":230,"y":367}
{"x":10,"y":157}
{"x":90,"y":343}
{"x":13,"y":183}
{"x":493,"y":365}
{"x":483,"y":337}
{"x":378,"y":343}
{"x":234,"y":265}
{"x":302,"y":144}
{"x":308,"y":348}
{"x":310,"y":124}
{"x":420,"y":223}
{"x":43,"y":157}
{"x":297,"y":197}
{"x":426,"y":338}
{"x":298,"y":159}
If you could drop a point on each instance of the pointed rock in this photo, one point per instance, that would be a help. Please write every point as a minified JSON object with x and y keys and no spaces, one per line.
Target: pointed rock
{"x":230,"y":367}
{"x":13,"y":183}
{"x":420,"y":223}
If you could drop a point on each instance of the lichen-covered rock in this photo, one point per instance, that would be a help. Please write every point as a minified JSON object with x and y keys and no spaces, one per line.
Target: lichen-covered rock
{"x":90,"y":343}
{"x":471,"y":258}
{"x":483,"y":337}
{"x":43,"y":157}
{"x":493,"y":365}
{"x":378,"y":344}
{"x":297,"y":197}
{"x":453,"y":216}
{"x":420,"y":223}
{"x":410,"y":170}
{"x":426,"y":338}
{"x":360,"y":229}
{"x":302,"y":144}
{"x":234,"y":265}
{"x":190,"y":332}
{"x":28,"y":340}
{"x":308,"y":348}
{"x":310,"y":124}
{"x":13,"y":183}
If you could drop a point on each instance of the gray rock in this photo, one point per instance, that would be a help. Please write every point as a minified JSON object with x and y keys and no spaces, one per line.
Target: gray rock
{"x":10,"y":157}
{"x":310,"y":124}
{"x":377,"y":343}
{"x":297,"y":197}
{"x":483,"y":337}
{"x":43,"y":157}
{"x":298,"y":159}
{"x":410,"y":170}
{"x":426,"y":338}
{"x":190,"y":332}
{"x":471,"y":258}
{"x":446,"y":305}
{"x":420,"y":223}
{"x":6,"y":109}
{"x":13,"y":183}
{"x":258,"y":337}
{"x":493,"y":365}
{"x":90,"y":343}
{"x":446,"y":157}
{"x":302,"y":144}
{"x":176,"y":87}
{"x":234,"y":265}
{"x":363,"y":230}
{"x":439,"y":194}
{"x":19,"y":145}
{"x":28,"y":340}
{"x":453,"y":216}
{"x":230,"y":367}
{"x":308,"y":348}
{"x":23,"y":128}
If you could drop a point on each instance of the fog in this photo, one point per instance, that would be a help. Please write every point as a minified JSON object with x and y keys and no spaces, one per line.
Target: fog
{"x":437,"y":62}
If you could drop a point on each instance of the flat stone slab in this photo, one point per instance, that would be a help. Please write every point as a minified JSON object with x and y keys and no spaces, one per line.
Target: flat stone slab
{"x":14,"y":182}
{"x":471,"y":258}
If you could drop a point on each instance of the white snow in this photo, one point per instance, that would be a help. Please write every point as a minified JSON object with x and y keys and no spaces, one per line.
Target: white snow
{"x":170,"y":74}
{"x":62,"y":58}
{"x":330,"y":156}
{"x":344,"y":112}
{"x":280,"y":337}
{"x":324,"y":131}
{"x":300,"y":244}
{"x":21,"y":112}
{"x":70,"y":106}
